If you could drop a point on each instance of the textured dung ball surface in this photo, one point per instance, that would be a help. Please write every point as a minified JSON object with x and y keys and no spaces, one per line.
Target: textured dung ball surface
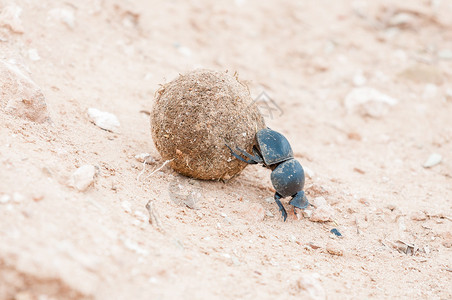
{"x":195,"y":115}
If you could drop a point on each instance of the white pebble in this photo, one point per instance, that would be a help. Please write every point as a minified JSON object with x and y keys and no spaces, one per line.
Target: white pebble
{"x":359,"y":79}
{"x":318,"y":201}
{"x":445,"y":54}
{"x":10,"y":18}
{"x":185,"y":51}
{"x":368,"y":102}
{"x":430,"y":91}
{"x":104,"y":120}
{"x":269,"y":200}
{"x":310,"y":287}
{"x":64,"y":15}
{"x":18,"y":197}
{"x":141,"y":216}
{"x":126,"y":206}
{"x":83,"y":177}
{"x":33,"y":55}
{"x":307,"y":213}
{"x":432,"y":160}
{"x":145,"y":157}
{"x":5,"y":199}
{"x":308,"y":172}
{"x":323,"y":213}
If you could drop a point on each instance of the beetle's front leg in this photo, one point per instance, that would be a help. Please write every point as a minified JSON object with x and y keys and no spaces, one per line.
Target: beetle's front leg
{"x":299,"y":200}
{"x":281,"y":207}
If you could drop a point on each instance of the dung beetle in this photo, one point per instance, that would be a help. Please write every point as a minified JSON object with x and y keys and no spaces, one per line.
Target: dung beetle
{"x":274,"y":152}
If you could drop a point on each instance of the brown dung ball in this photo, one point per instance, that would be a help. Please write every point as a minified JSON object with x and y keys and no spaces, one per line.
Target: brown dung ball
{"x":195,"y":115}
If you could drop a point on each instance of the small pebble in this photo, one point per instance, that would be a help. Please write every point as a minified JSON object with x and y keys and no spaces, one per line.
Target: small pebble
{"x":308,"y":172}
{"x":310,"y":287}
{"x":141,"y":216}
{"x":10,"y":18}
{"x":432,"y":160}
{"x":269,"y":200}
{"x":369,"y":102}
{"x":18,"y":197}
{"x":126,"y":206}
{"x":359,"y":79}
{"x":255,"y":212}
{"x":307,"y":213}
{"x":418,"y":216}
{"x":318,"y":201}
{"x":445,"y":54}
{"x":145,"y":157}
{"x":334,"y":248}
{"x":324,"y":213}
{"x":33,"y":55}
{"x":5,"y":199}
{"x":64,"y":15}
{"x":83,"y":177}
{"x":104,"y":120}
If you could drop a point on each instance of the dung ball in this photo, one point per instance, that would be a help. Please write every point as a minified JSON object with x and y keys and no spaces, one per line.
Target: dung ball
{"x":195,"y":115}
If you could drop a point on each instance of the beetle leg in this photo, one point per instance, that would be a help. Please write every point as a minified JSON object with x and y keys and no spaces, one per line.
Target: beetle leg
{"x":299,"y":200}
{"x":254,"y":157}
{"x":281,"y":207}
{"x":251,"y":162}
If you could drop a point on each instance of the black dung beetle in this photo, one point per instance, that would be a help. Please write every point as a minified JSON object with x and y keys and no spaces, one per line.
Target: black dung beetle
{"x":274,"y":152}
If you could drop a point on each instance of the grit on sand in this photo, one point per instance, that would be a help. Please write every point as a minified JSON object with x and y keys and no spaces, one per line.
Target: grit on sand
{"x":361,"y":89}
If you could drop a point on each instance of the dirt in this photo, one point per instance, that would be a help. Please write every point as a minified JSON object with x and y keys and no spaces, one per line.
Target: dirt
{"x":364,"y":155}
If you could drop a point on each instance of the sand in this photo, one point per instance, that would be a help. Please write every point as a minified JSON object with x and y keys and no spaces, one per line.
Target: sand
{"x":365,"y":156}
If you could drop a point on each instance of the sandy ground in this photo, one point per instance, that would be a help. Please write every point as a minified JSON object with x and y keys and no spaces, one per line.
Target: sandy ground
{"x":364,"y":89}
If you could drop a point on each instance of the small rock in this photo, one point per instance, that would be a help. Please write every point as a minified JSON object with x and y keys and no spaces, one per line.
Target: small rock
{"x":104,"y":120}
{"x":432,"y":160}
{"x":269,"y":214}
{"x":141,"y":216}
{"x":292,"y":238}
{"x":18,"y":197}
{"x":254,"y":212}
{"x":185,"y":193}
{"x":418,"y":216}
{"x":33,"y":55}
{"x":448,"y":94}
{"x":20,"y":96}
{"x":430,"y":91}
{"x":64,"y":15}
{"x":10,"y":18}
{"x":318,"y":201}
{"x":308,"y":172}
{"x":359,"y":79}
{"x":445,"y":54}
{"x":145,"y":157}
{"x":402,"y":20}
{"x":307,"y":213}
{"x":269,"y":200}
{"x":369,"y":102}
{"x":83,"y":177}
{"x":185,"y":51}
{"x":5,"y":199}
{"x":334,"y":248}
{"x":323,"y":213}
{"x":126,"y":206}
{"x":401,"y":223}
{"x":447,"y":243}
{"x":309,"y":287}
